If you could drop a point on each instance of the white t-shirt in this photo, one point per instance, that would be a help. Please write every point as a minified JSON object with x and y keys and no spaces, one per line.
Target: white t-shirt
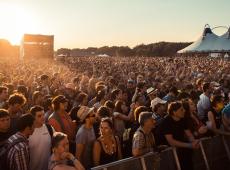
{"x":40,"y":148}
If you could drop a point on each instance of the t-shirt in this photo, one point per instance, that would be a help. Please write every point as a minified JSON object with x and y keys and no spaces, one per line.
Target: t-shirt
{"x":170,"y":126}
{"x":87,"y":137}
{"x":142,"y":141}
{"x":203,"y":106}
{"x":40,"y":148}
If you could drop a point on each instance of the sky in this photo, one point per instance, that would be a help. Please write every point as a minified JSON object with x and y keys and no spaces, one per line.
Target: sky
{"x":96,"y":23}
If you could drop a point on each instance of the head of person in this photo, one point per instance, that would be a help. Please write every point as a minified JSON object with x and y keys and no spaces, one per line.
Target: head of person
{"x":140,"y":100}
{"x":116,"y":95}
{"x":173,"y":91}
{"x":4,"y":120}
{"x":158,"y":106}
{"x":140,"y":78}
{"x":110,"y":105}
{"x":37,"y":98}
{"x":86,"y":115}
{"x":3,"y":93}
{"x":48,"y":104}
{"x":106,"y":127}
{"x":22,"y":89}
{"x":146,"y":120}
{"x":217,"y":102}
{"x":103,"y":112}
{"x":120,"y":107}
{"x":60,"y":144}
{"x":16,"y":101}
{"x":44,"y":79}
{"x":82,"y":99}
{"x":39,"y":115}
{"x":152,"y":93}
{"x":130,"y":84}
{"x":138,"y":111}
{"x":26,"y":124}
{"x":141,"y":87}
{"x":176,"y":109}
{"x":100,"y":95}
{"x":60,"y":103}
{"x":206,"y":87}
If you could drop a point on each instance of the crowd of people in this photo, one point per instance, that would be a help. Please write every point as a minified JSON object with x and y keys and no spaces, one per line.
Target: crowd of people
{"x":90,"y":111}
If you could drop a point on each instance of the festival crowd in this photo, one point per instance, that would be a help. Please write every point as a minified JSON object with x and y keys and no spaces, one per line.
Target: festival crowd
{"x":90,"y":111}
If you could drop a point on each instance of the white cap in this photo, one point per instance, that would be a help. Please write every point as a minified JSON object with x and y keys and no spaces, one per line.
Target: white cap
{"x":156,"y":101}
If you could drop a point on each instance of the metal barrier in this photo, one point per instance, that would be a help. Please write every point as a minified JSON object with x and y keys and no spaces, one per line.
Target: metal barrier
{"x":214,"y":154}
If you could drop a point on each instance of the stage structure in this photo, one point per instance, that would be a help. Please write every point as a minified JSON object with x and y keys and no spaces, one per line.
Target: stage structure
{"x":37,"y":47}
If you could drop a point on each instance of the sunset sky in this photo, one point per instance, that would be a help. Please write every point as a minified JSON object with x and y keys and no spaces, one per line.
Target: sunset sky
{"x":96,"y":23}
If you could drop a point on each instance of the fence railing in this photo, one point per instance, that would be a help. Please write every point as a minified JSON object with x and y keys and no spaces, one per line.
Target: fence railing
{"x":214,"y":154}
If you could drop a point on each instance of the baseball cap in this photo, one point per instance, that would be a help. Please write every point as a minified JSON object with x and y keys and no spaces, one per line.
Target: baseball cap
{"x":59,"y":99}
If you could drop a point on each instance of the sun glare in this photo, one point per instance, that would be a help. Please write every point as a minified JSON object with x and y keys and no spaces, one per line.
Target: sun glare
{"x":15,"y":21}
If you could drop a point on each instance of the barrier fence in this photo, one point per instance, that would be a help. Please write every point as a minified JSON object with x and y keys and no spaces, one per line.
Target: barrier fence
{"x":214,"y":154}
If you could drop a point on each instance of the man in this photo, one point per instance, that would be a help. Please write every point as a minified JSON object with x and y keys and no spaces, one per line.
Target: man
{"x":45,"y":84}
{"x":3,"y":96}
{"x":40,"y":140}
{"x":172,"y":95}
{"x":37,"y":98}
{"x":204,"y":104}
{"x":85,"y":136}
{"x":143,"y":139}
{"x":61,"y":121}
{"x":4,"y":126}
{"x":159,"y":109}
{"x":18,"y":156}
{"x":15,"y":102}
{"x":152,"y":93}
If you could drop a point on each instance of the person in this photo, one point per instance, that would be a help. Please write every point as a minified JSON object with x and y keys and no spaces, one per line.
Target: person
{"x":3,"y":96}
{"x":193,"y":122}
{"x":107,"y":147}
{"x":61,"y":121}
{"x":143,"y":139}
{"x":85,"y":136}
{"x":173,"y":131}
{"x":16,"y":101}
{"x":37,"y":98}
{"x":120,"y":118}
{"x":172,"y":95}
{"x":152,"y":93}
{"x":116,"y":95}
{"x":45,"y":85}
{"x":40,"y":140}
{"x":213,"y":118}
{"x":18,"y":156}
{"x":226,"y":118}
{"x":158,"y":107}
{"x":4,"y":126}
{"x":81,"y":99}
{"x":204,"y":103}
{"x":62,"y":159}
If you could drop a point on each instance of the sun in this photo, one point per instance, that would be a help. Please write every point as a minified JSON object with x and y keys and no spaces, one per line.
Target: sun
{"x":14,"y":22}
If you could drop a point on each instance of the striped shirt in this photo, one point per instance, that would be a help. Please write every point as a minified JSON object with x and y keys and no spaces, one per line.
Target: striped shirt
{"x":18,"y":157}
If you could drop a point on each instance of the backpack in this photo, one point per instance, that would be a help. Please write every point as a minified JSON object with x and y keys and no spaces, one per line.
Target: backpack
{"x":5,"y":148}
{"x":50,"y":130}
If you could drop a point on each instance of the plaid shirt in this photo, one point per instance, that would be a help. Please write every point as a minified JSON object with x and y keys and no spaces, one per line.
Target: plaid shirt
{"x":144,"y":142}
{"x":18,"y":157}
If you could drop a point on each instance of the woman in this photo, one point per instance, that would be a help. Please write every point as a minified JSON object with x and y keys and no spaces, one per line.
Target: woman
{"x":62,"y":159}
{"x":120,"y":118}
{"x":194,"y":124}
{"x":107,"y":147}
{"x":213,"y":118}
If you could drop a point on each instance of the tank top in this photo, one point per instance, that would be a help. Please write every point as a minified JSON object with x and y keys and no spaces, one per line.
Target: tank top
{"x":108,"y":158}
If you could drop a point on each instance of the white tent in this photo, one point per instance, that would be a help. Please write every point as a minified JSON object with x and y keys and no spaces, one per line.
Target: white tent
{"x":209,"y":43}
